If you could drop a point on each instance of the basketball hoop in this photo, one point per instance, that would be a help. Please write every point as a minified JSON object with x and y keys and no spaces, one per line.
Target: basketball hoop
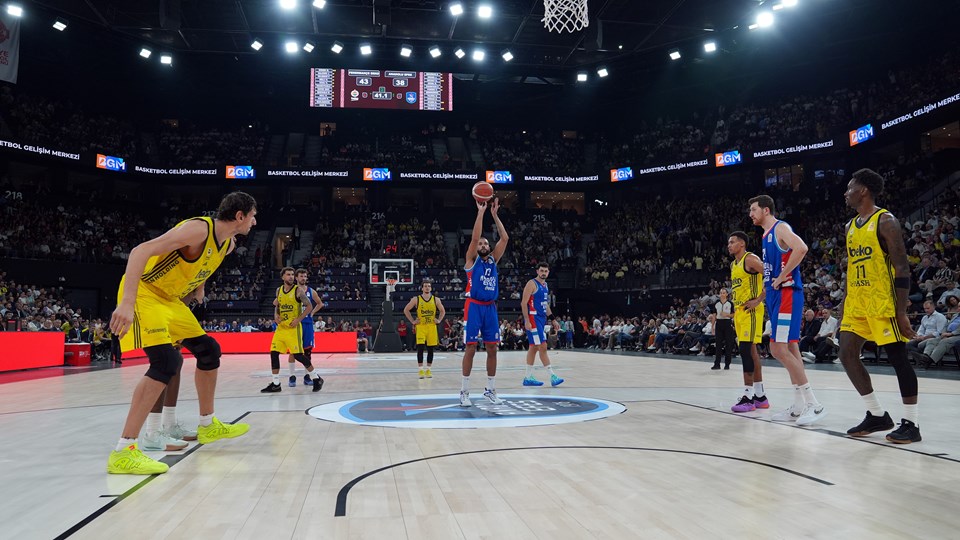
{"x":565,"y":15}
{"x":391,"y":287}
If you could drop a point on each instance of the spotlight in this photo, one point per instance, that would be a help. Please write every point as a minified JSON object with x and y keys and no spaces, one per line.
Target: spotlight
{"x":435,"y":51}
{"x":479,"y":55}
{"x":256,"y":45}
{"x":291,"y":46}
{"x":288,"y":4}
{"x":366,"y":49}
{"x":675,"y":54}
{"x":309,"y":47}
{"x":456,"y":9}
{"x":710,"y":46}
{"x":485,"y":11}
{"x":336,"y":47}
{"x":507,"y":55}
{"x":14,"y":10}
{"x":145,"y":52}
{"x":753,"y":26}
{"x":602,"y":72}
{"x":620,"y":47}
{"x":319,"y":4}
{"x":582,"y":76}
{"x":777,"y":7}
{"x":406,"y":50}
{"x":459,"y":53}
{"x":60,"y":24}
{"x":764,"y":19}
{"x":166,"y":59}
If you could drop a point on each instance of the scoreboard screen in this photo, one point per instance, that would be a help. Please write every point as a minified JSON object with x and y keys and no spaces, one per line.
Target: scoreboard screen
{"x":381,"y":89}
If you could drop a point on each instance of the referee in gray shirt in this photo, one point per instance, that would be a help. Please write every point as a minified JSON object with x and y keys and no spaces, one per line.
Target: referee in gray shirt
{"x":726,"y":335}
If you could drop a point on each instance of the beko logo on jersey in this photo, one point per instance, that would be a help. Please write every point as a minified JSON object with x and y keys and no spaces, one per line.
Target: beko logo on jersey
{"x":621,"y":174}
{"x":499,"y":177}
{"x":241,"y":171}
{"x":862,"y":251}
{"x":861,"y":134}
{"x":111,"y":163}
{"x":726,"y":159}
{"x":376,"y":174}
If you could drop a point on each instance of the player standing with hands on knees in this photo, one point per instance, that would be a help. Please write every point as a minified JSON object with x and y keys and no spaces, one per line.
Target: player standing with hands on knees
{"x":535,"y":304}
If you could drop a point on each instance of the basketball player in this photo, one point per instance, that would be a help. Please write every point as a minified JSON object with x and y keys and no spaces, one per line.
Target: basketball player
{"x":535,"y":302}
{"x":307,"y":331}
{"x":430,"y":312}
{"x":480,"y":310}
{"x":151,"y":316}
{"x":783,"y":251}
{"x":875,"y":307}
{"x":291,"y":307}
{"x":748,"y":294}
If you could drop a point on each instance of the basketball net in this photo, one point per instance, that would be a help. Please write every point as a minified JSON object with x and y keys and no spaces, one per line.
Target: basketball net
{"x":565,"y":15}
{"x":391,"y":287}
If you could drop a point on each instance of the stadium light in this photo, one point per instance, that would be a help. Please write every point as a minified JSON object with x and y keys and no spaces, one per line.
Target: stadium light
{"x":765,"y":19}
{"x":479,"y":55}
{"x":256,"y":45}
{"x":456,"y":9}
{"x":166,"y":59}
{"x":675,"y":54}
{"x":288,"y":4}
{"x":406,"y":50}
{"x":319,"y":4}
{"x":459,"y":53}
{"x":366,"y":49}
{"x":710,"y":46}
{"x":485,"y":11}
{"x":14,"y":10}
{"x":582,"y":76}
{"x":753,"y":26}
{"x":291,"y":46}
{"x":507,"y":55}
{"x":435,"y":51}
{"x":602,"y":72}
{"x":145,"y":52}
{"x":60,"y":24}
{"x":309,"y":47}
{"x":336,"y":47}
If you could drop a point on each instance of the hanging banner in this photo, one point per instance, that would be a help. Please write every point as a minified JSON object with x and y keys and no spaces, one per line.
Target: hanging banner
{"x":9,"y":47}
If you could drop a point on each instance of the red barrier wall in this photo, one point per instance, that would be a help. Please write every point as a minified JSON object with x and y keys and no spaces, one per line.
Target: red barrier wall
{"x":25,"y":350}
{"x":259,"y":342}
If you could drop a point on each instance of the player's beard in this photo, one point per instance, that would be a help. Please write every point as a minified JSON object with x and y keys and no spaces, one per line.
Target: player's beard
{"x":483,"y":252}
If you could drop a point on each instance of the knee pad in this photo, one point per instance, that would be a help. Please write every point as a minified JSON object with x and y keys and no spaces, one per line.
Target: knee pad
{"x":746,"y":357}
{"x":274,"y":360}
{"x":165,"y":362}
{"x":206,"y":350}
{"x":906,"y":376}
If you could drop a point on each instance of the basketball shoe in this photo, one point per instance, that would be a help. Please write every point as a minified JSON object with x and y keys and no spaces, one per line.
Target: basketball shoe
{"x":790,"y":414}
{"x":744,"y":405}
{"x":293,"y":381}
{"x":907,"y":433}
{"x":131,"y":460}
{"x":177,"y":431}
{"x":491,"y":396}
{"x":218,"y":430}
{"x":871,"y":424}
{"x":465,"y":399}
{"x":271,"y":389}
{"x":761,"y":402}
{"x":531,"y":381}
{"x":555,"y":381}
{"x":811,"y":413}
{"x":427,"y":374}
{"x":421,"y":373}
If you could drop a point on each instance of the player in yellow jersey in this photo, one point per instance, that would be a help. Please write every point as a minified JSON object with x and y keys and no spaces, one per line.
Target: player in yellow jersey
{"x":746,"y":277}
{"x":151,"y":315}
{"x":875,"y":306}
{"x":430,"y":312}
{"x":290,"y":308}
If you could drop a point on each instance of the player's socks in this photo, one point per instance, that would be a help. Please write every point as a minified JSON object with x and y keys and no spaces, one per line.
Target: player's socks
{"x":124,"y":443}
{"x":154,"y":422}
{"x":873,"y":404}
{"x":758,"y":389}
{"x":276,"y":379}
{"x":465,"y":384}
{"x":911,"y":413}
{"x":291,"y":367}
{"x":808,"y":396}
{"x":206,"y":419}
{"x":529,"y":373}
{"x":748,"y":392}
{"x":491,"y":383}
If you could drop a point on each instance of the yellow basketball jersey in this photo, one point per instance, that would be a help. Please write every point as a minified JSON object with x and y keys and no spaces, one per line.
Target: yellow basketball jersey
{"x":288,"y":304}
{"x":426,"y":309}
{"x":745,"y":285}
{"x":870,"y":291}
{"x":176,"y":276}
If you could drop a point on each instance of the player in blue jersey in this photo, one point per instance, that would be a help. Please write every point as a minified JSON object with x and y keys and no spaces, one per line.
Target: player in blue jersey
{"x":535,"y":304}
{"x":306,"y":326}
{"x":783,"y":251}
{"x":480,"y":309}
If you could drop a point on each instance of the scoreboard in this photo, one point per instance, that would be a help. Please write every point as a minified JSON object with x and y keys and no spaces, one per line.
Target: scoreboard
{"x":381,"y":89}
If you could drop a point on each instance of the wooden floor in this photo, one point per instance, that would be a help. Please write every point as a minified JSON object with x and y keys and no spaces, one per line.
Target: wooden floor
{"x":676,"y":464}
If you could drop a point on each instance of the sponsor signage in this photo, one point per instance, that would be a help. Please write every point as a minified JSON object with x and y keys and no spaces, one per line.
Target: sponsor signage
{"x":174,"y":172}
{"x":241,"y":171}
{"x":308,"y":173}
{"x":111,"y":163}
{"x":794,"y":149}
{"x":621,"y":174}
{"x":381,"y":174}
{"x":861,"y":135}
{"x":39,"y":150}
{"x":672,"y":167}
{"x":499,"y":177}
{"x":565,"y":179}
{"x":417,"y":175}
{"x":727,"y":159}
{"x":926,"y":109}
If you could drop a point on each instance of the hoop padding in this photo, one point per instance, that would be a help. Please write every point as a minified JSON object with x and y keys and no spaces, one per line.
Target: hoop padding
{"x":565,"y":15}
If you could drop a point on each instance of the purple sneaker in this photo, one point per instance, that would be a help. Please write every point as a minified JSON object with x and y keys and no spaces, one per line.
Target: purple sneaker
{"x":761,"y":402}
{"x":744,"y":405}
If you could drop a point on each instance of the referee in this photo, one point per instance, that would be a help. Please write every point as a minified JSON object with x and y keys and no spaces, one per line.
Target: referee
{"x":726,"y":336}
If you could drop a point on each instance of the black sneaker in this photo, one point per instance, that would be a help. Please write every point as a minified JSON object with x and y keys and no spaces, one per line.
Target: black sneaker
{"x":271,"y":388}
{"x":872,"y":424}
{"x":293,"y":381}
{"x":317,"y":384}
{"x":306,"y":380}
{"x":907,"y":433}
{"x":726,"y":366}
{"x":716,"y":366}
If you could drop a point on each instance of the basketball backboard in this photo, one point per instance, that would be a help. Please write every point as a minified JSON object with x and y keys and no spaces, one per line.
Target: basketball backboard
{"x":383,"y":269}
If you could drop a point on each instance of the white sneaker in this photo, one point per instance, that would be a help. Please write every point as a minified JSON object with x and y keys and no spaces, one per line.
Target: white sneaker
{"x":790,"y":414}
{"x":465,"y":399}
{"x":809,"y":358}
{"x":159,"y":440}
{"x":491,"y":395}
{"x":181,"y":433}
{"x":811,"y":413}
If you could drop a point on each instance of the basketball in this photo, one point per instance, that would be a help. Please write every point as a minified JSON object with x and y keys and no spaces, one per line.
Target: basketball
{"x":482,"y":192}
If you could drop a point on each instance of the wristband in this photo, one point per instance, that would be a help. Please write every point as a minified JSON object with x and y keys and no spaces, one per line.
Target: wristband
{"x":901,"y":283}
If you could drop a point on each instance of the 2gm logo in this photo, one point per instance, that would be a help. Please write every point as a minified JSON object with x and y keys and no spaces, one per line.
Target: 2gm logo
{"x":499,"y":177}
{"x":726,"y":159}
{"x":621,"y":174}
{"x":111,"y":163}
{"x":377,"y":175}
{"x":861,"y":134}
{"x":241,"y":171}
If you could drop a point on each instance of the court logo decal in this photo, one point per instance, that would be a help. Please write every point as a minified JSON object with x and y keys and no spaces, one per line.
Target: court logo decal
{"x":444,"y":411}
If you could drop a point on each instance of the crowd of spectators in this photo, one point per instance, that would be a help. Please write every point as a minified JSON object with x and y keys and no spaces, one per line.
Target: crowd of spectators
{"x":191,"y":146}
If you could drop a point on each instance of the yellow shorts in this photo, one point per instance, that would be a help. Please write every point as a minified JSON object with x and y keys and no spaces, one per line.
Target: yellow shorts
{"x":748,"y":325}
{"x":288,"y":339}
{"x":880,"y":330}
{"x":158,"y":320}
{"x":427,"y":335}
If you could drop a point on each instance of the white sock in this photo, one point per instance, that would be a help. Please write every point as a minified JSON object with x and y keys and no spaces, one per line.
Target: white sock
{"x":873,"y":404}
{"x":153,"y":423}
{"x":748,"y":391}
{"x":549,"y":368}
{"x":911,"y":413}
{"x":465,"y":384}
{"x":169,"y":417}
{"x":291,"y":367}
{"x":206,"y":419}
{"x":125,"y":443}
{"x":808,"y":396}
{"x":798,"y":402}
{"x":276,"y":379}
{"x":529,"y":372}
{"x":313,"y":375}
{"x":758,"y":389}
{"x":491,"y":383}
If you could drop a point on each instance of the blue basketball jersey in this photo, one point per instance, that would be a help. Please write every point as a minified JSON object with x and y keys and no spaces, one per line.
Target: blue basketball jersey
{"x":775,"y":258}
{"x":482,"y":280}
{"x":537,"y":306}
{"x":313,"y":300}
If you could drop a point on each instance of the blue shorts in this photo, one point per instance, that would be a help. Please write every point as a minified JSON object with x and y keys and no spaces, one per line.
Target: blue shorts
{"x":785,"y":307}
{"x":307,"y":330}
{"x":537,"y":336}
{"x":482,"y":322}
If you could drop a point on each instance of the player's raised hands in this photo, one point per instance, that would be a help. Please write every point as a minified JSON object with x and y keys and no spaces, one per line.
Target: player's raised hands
{"x":481,"y":206}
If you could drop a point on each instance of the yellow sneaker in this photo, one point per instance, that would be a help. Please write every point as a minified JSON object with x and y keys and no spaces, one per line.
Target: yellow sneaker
{"x":131,"y":460}
{"x":218,"y":430}
{"x":429,"y":375}
{"x":421,"y":373}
